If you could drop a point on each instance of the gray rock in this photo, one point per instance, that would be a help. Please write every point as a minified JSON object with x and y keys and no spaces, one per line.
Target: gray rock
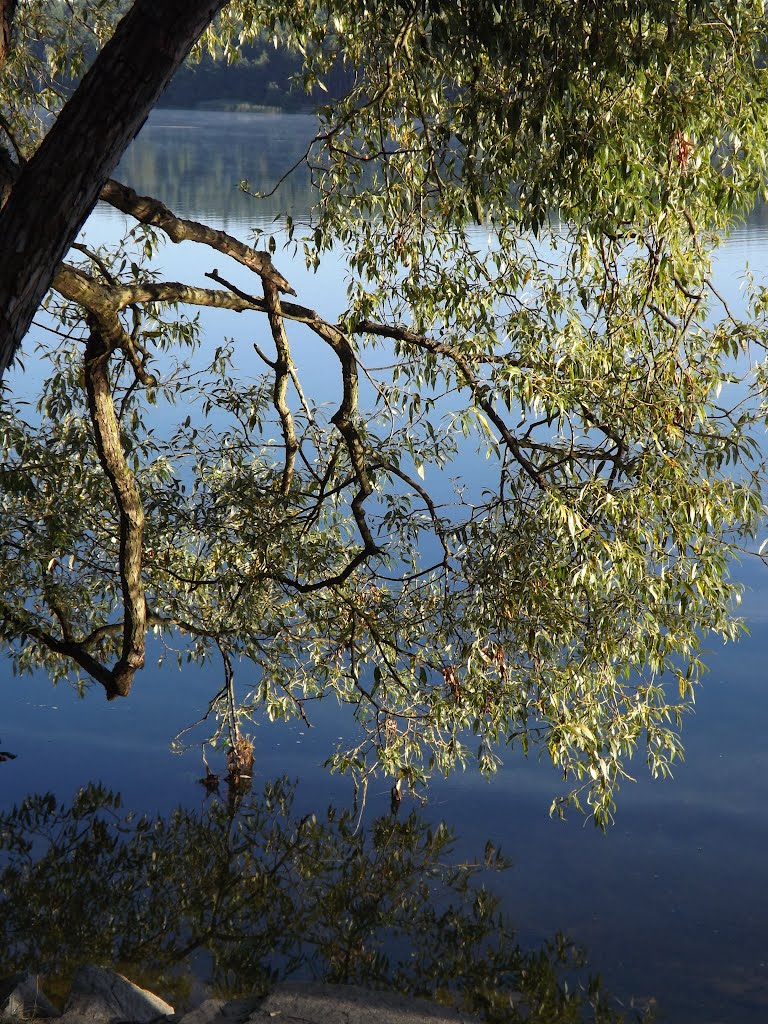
{"x":206,"y":1013}
{"x":20,"y":997}
{"x":101,"y":996}
{"x":307,"y":1003}
{"x":217,"y":1011}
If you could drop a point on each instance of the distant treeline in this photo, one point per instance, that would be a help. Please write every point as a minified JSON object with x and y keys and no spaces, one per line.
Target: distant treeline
{"x":263,"y":77}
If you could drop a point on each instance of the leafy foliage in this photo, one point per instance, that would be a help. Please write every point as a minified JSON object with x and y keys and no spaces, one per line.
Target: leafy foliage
{"x":53,"y":43}
{"x":529,"y":197}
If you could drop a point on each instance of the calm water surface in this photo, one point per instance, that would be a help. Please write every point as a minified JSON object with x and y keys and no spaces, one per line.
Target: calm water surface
{"x":672,"y":903}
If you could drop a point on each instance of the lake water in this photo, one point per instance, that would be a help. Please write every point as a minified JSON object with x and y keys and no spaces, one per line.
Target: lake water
{"x":671,"y":903}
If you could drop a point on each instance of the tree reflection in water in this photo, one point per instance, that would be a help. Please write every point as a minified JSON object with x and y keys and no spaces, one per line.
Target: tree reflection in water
{"x":246,"y":892}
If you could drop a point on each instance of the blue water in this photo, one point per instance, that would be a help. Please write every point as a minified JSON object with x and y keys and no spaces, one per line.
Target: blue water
{"x":672,"y":902}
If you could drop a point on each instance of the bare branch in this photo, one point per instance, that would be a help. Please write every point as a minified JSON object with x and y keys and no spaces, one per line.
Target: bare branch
{"x":151,"y":211}
{"x":282,"y":375}
{"x":112,"y":458}
{"x":343,"y":418}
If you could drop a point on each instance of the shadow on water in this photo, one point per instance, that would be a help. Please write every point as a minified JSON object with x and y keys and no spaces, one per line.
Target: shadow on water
{"x":245,"y":892}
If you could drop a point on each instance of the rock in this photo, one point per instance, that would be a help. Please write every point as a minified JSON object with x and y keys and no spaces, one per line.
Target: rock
{"x":217,"y":1011}
{"x":20,"y":997}
{"x":307,"y":1003}
{"x":101,"y":996}
{"x":205,"y":1013}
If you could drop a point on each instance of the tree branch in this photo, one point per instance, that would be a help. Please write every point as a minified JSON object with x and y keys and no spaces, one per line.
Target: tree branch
{"x":112,"y":458}
{"x":282,"y":375}
{"x":468,"y":379}
{"x":151,"y":211}
{"x":343,"y":418}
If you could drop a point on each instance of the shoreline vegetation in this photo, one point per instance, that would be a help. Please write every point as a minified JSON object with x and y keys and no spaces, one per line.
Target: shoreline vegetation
{"x":239,"y":107}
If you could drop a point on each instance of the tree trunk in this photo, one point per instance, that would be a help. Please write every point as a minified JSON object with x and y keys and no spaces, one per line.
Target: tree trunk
{"x":7,"y":11}
{"x":59,"y":186}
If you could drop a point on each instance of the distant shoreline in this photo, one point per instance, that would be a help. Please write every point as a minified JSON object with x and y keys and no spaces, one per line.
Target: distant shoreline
{"x":236,"y":107}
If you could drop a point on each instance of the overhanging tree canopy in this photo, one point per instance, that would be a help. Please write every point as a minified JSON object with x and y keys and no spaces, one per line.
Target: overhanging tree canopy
{"x":577,"y":341}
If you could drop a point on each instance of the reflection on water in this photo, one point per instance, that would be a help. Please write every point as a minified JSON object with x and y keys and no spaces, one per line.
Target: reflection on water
{"x":245,"y":892}
{"x":194,"y":162}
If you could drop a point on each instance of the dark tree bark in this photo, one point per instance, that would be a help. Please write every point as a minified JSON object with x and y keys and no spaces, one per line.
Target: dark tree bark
{"x":7,"y":11}
{"x":59,"y":186}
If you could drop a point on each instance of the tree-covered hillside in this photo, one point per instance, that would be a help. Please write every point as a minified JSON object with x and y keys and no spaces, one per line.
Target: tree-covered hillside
{"x":263,"y":76}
